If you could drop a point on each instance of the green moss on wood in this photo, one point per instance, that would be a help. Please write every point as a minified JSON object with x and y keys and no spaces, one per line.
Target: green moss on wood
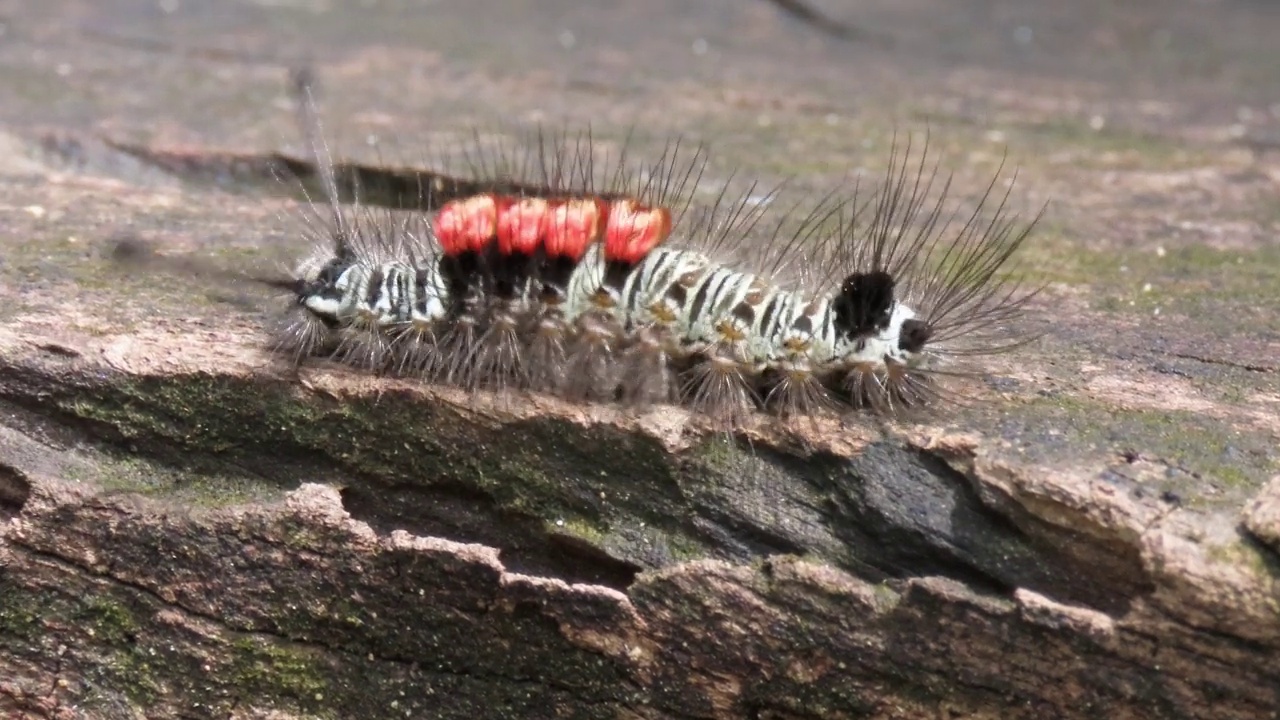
{"x":108,"y":620}
{"x":265,"y":670}
{"x":20,"y":614}
{"x":1199,"y":450}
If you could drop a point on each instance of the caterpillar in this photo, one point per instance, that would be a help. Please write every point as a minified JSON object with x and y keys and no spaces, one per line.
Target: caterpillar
{"x":612,"y":286}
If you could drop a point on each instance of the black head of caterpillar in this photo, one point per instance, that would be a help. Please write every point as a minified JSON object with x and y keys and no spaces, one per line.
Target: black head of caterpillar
{"x":864,"y":304}
{"x":926,"y":284}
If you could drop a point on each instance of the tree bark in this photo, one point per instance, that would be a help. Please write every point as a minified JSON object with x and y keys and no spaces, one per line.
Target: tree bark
{"x":188,"y":529}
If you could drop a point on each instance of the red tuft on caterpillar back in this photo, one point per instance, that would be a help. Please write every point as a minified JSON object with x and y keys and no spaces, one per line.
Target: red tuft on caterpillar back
{"x":574,"y":225}
{"x":467,"y":225}
{"x":633,"y":230}
{"x":522,"y":225}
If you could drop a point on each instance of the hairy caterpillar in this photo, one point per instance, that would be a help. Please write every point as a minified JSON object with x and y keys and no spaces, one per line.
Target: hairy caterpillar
{"x":562,"y":280}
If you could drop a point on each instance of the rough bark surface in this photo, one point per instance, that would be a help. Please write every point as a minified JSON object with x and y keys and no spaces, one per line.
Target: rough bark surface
{"x":189,"y":530}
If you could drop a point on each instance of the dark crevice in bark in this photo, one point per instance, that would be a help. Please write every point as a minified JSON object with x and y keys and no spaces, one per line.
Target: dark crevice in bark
{"x":465,"y":514}
{"x":908,"y":513}
{"x":15,"y":490}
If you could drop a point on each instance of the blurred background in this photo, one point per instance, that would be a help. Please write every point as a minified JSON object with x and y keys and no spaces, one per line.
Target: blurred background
{"x":169,"y":68}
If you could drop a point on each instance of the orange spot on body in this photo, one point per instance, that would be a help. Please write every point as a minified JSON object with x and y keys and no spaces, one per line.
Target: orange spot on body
{"x":573,"y":225}
{"x":632,"y":231}
{"x":467,"y":225}
{"x":602,"y":300}
{"x":729,"y":332}
{"x":662,"y":312}
{"x":522,"y":225}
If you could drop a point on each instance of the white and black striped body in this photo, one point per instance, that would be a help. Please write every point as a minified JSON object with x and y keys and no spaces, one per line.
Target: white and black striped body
{"x":677,"y":325}
{"x":891,"y":294}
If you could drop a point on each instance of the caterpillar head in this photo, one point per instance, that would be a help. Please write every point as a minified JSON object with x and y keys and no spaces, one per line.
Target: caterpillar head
{"x":321,"y":285}
{"x":310,"y":271}
{"x":872,"y":326}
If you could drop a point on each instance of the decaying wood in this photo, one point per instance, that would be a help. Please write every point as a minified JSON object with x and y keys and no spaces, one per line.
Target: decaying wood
{"x":188,"y":529}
